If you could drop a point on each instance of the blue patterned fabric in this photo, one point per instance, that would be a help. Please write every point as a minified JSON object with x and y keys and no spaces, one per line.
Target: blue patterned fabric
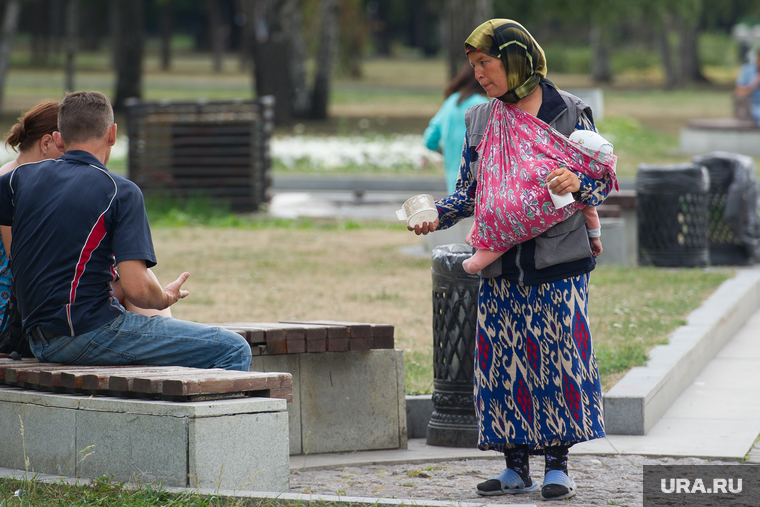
{"x":5,"y":281}
{"x":536,"y":379}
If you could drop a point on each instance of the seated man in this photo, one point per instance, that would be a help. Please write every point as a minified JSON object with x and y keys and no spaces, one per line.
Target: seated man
{"x":72,"y":222}
{"x":748,"y":86}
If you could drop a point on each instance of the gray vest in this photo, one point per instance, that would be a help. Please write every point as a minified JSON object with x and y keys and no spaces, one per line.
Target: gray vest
{"x":566,"y":241}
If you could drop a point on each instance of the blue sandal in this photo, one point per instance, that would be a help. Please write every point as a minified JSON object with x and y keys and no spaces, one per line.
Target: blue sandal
{"x":508,"y":482}
{"x":557,"y":485}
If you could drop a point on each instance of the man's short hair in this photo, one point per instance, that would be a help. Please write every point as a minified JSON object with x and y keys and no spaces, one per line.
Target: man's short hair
{"x":84,"y":116}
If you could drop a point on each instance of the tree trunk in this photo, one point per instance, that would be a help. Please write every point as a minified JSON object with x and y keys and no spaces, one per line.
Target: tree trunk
{"x":57,"y":13}
{"x":72,"y":33}
{"x":669,"y":69}
{"x":245,"y":34}
{"x":688,"y":38}
{"x":328,"y":48}
{"x":457,"y":23}
{"x":302,"y":97}
{"x":115,"y":30}
{"x":167,"y":29}
{"x":461,"y":18}
{"x":41,"y":33}
{"x":277,"y":55}
{"x":10,"y":23}
{"x":218,"y":32}
{"x":352,"y":36}
{"x":601,"y":69}
{"x":131,"y":38}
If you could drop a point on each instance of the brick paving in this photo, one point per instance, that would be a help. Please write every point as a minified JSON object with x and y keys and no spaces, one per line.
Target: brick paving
{"x":601,"y":480}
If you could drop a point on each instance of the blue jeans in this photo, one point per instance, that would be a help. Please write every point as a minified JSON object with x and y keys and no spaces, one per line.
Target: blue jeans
{"x":137,"y":339}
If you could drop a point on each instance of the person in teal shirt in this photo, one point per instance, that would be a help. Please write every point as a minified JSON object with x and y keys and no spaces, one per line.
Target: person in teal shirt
{"x":446,"y":128}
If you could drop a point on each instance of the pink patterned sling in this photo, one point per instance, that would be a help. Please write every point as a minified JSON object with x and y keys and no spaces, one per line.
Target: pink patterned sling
{"x":517,"y":153}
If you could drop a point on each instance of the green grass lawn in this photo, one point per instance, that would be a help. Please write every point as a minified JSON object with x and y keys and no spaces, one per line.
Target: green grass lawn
{"x":103,"y":493}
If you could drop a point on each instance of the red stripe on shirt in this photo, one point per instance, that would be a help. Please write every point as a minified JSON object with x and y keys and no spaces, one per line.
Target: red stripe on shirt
{"x":93,"y":240}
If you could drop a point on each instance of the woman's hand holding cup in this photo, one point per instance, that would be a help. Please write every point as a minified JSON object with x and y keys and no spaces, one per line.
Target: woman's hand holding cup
{"x":425,"y":228}
{"x":563,"y":181}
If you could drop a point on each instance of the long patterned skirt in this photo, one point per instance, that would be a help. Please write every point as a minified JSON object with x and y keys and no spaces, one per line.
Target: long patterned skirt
{"x":536,"y":379}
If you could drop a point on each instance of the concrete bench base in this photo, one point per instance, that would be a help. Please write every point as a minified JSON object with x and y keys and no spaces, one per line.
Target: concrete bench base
{"x":736,"y":136}
{"x":343,"y":401}
{"x":235,"y":444}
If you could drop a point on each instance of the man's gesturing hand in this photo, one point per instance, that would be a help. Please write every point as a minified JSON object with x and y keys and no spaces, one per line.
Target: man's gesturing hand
{"x":174,"y":291}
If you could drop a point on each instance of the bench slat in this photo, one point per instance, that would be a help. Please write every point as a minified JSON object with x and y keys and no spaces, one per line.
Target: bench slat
{"x":241,"y":382}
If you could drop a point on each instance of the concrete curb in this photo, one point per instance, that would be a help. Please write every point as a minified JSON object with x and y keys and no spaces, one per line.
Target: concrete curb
{"x":641,"y":397}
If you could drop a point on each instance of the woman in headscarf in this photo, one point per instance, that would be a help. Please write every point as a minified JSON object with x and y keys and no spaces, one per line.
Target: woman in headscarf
{"x":537,"y":388}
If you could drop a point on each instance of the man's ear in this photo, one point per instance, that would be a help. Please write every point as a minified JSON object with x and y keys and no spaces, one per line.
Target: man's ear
{"x":112,"y":135}
{"x":58,"y":140}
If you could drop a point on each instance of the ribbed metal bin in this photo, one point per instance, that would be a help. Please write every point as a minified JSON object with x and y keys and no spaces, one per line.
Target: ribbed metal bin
{"x":455,"y":314}
{"x":671,"y":209}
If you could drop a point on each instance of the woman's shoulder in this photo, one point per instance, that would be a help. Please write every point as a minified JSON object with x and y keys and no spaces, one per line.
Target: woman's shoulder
{"x":478,"y":110}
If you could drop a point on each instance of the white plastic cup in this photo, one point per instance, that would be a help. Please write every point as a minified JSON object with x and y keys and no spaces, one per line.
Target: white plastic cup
{"x":560,"y":201}
{"x":418,"y":209}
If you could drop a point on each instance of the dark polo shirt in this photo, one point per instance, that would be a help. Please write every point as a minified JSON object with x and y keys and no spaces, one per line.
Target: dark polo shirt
{"x":72,"y":221}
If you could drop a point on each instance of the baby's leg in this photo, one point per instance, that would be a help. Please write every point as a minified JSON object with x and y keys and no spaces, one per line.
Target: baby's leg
{"x":473,"y":231}
{"x":480,"y":259}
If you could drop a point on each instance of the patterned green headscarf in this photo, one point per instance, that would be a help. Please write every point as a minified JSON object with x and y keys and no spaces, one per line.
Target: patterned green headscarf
{"x":523,"y":58}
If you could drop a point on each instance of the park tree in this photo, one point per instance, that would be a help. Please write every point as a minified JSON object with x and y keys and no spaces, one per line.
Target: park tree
{"x":167,"y":30}
{"x":328,"y":48}
{"x":129,"y":36}
{"x":352,"y":37}
{"x":72,"y":41}
{"x":460,"y":18}
{"x":219,"y":31}
{"x":676,"y":26}
{"x":9,"y":26}
{"x":279,"y":53}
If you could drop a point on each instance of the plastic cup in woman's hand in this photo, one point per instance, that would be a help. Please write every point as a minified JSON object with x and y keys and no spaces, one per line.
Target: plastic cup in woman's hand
{"x":559,"y":201}
{"x":418,"y":210}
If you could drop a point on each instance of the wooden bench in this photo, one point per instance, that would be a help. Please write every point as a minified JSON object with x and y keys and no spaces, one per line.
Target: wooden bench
{"x":169,"y":383}
{"x":299,"y":337}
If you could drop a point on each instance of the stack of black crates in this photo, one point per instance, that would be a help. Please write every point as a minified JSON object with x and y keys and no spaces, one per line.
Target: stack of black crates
{"x":215,"y":150}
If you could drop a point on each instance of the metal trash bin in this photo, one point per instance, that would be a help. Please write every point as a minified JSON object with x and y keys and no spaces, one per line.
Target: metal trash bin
{"x":455,"y":314}
{"x":733,"y":221}
{"x":671,"y":210}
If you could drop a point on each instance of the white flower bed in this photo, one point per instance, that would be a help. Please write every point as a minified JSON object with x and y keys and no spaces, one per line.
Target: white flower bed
{"x":334,"y":152}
